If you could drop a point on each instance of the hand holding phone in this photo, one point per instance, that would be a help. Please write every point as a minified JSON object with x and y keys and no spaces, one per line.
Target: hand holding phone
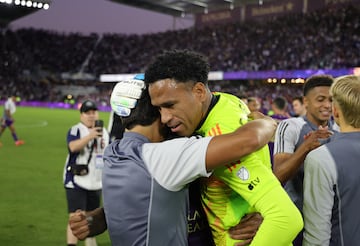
{"x":99,"y":124}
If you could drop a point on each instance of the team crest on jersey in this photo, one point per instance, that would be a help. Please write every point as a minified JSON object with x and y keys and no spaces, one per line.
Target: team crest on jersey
{"x":243,"y":174}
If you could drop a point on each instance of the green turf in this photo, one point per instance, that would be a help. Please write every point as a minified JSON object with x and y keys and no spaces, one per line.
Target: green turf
{"x":32,"y":197}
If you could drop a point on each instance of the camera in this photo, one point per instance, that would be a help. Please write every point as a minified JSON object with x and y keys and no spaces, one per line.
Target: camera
{"x":99,"y":123}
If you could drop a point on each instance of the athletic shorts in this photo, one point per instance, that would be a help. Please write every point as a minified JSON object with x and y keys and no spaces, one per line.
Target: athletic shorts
{"x":86,"y":200}
{"x":6,"y":123}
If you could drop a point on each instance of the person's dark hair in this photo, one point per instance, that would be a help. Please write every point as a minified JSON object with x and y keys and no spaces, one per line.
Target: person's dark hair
{"x":316,"y":81}
{"x":299,"y":98}
{"x":280,"y":103}
{"x":180,"y":65}
{"x":143,"y":114}
{"x":242,"y":96}
{"x":117,"y":129}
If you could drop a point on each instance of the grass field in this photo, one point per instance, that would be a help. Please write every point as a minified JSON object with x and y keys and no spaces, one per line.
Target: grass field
{"x":33,"y":204}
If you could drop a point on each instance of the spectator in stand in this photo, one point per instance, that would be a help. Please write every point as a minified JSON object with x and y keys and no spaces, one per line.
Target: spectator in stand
{"x":298,"y":106}
{"x":32,"y":51}
{"x":264,"y":47}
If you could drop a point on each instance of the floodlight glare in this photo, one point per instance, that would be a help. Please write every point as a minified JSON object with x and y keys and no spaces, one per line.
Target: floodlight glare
{"x":28,"y":3}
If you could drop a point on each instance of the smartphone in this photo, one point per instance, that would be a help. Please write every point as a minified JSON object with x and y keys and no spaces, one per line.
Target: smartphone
{"x":99,"y":123}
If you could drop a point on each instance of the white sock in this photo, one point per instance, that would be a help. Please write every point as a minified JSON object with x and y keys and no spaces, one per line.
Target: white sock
{"x":90,"y":241}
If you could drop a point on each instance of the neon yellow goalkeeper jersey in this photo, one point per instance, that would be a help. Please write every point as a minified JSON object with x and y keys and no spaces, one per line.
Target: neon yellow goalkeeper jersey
{"x":246,"y":185}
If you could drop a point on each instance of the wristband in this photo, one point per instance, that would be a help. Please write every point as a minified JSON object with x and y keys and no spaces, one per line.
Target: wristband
{"x":125,"y":102}
{"x":90,"y":220}
{"x":121,"y":111}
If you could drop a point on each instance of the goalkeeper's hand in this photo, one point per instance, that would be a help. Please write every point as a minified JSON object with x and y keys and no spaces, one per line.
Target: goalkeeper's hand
{"x":125,"y":95}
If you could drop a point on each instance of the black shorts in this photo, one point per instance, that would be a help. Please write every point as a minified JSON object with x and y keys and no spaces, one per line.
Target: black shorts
{"x":86,"y":200}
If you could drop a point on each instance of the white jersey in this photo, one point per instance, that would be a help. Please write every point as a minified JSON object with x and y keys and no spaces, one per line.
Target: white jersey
{"x":10,"y":106}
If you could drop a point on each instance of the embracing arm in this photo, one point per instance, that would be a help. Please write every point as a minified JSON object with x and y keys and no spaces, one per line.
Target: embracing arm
{"x":246,"y":229}
{"x":282,"y":220}
{"x":245,"y":140}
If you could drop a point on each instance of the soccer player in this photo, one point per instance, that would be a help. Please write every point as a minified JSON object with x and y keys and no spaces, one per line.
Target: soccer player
{"x":8,"y":120}
{"x":177,"y":82}
{"x":331,"y":175}
{"x":296,"y":137}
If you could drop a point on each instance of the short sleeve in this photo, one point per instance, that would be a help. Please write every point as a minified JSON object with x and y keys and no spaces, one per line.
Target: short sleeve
{"x":175,"y":163}
{"x":286,"y":136}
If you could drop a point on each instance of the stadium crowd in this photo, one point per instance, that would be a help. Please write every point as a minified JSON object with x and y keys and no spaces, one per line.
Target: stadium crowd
{"x":32,"y":61}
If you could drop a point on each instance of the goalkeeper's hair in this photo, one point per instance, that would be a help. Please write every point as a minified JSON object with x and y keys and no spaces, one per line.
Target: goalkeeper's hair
{"x":143,"y":114}
{"x":180,"y":65}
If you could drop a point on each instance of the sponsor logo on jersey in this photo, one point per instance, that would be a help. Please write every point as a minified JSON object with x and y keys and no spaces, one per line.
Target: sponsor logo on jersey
{"x":254,"y":183}
{"x":243,"y":174}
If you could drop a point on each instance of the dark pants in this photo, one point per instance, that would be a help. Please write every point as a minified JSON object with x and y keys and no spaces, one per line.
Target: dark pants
{"x":86,"y":200}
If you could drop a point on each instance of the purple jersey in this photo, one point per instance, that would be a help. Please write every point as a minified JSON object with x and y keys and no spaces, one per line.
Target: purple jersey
{"x":199,"y":233}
